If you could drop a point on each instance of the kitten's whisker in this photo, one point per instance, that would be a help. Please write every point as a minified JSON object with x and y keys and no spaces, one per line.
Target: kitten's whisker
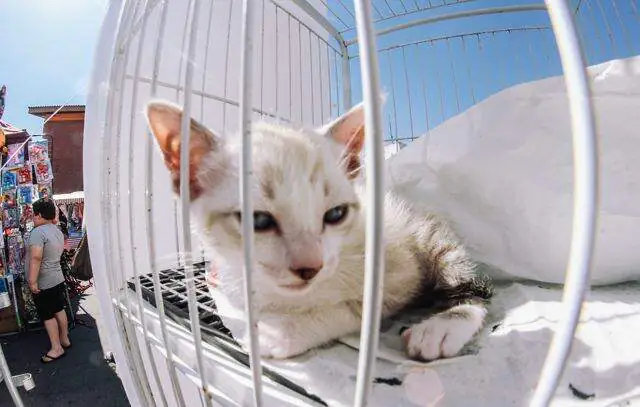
{"x":343,"y":160}
{"x":355,"y":170}
{"x":344,"y":155}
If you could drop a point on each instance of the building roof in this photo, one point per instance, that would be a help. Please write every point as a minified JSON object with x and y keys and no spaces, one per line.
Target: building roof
{"x":11,"y":133}
{"x":46,"y":111}
{"x":52,"y":108}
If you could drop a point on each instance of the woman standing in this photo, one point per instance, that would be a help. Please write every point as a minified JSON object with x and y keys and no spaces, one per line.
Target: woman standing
{"x":46,"y":281}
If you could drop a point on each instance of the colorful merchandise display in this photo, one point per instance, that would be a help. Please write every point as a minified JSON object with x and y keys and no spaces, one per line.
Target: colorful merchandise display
{"x":15,"y":249}
{"x":38,"y":151}
{"x":9,"y":180}
{"x":9,"y":198}
{"x":24,"y":175}
{"x":10,"y":218}
{"x":26,"y":218}
{"x":15,"y":156}
{"x":25,"y":194}
{"x":19,"y":190}
{"x":74,"y":212}
{"x":44,"y":173}
{"x":45,"y":190}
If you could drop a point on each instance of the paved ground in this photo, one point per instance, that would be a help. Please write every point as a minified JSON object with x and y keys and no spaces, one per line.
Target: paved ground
{"x":82,"y":378}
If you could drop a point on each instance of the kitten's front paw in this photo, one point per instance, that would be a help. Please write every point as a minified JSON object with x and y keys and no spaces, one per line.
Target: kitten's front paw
{"x":278,"y":340}
{"x":442,"y":336}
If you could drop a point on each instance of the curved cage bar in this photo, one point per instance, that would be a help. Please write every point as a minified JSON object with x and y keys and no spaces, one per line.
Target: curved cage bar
{"x":303,"y":62}
{"x":245,"y":197}
{"x":374,"y":245}
{"x":585,"y":188}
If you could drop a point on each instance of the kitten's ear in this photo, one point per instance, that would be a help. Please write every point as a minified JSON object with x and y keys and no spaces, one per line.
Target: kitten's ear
{"x":165,"y":121}
{"x":348,"y":130}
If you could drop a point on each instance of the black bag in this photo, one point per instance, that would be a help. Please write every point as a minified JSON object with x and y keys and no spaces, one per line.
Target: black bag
{"x":81,"y":264}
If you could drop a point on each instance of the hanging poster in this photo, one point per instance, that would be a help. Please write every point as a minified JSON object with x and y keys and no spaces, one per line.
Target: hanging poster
{"x":15,"y":246}
{"x":38,"y":151}
{"x":15,"y":156}
{"x":44,"y":173}
{"x":25,"y":194}
{"x":24,"y":175}
{"x":44,"y":191}
{"x":9,"y":198}
{"x":26,"y":217}
{"x":9,"y":180}
{"x":11,"y":217}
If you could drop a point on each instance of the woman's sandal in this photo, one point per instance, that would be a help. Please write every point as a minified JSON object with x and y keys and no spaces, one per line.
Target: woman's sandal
{"x":68,"y":346}
{"x":46,"y":358}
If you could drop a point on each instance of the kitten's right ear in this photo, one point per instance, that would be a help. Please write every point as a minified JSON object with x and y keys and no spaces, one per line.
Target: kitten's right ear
{"x":165,"y":122}
{"x":348,"y":130}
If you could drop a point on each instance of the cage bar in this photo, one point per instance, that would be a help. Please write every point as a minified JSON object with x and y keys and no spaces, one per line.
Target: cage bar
{"x":134,"y":262}
{"x":11,"y":386}
{"x":585,"y":189}
{"x":130,"y":341}
{"x":245,"y":102}
{"x":151,"y":246}
{"x":374,"y":244}
{"x":185,"y":197}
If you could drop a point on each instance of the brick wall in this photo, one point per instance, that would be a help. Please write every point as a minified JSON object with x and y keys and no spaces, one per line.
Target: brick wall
{"x":65,"y":138}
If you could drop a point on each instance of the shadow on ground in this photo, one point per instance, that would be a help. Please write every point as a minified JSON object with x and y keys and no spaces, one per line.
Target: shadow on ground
{"x":81,"y":378}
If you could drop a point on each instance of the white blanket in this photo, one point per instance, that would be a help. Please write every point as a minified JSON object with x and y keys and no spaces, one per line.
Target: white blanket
{"x":502,"y":367}
{"x":501,"y":172}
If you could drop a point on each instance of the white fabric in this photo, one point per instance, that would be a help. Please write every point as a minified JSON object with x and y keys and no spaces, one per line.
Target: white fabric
{"x":502,"y":367}
{"x":502,"y":173}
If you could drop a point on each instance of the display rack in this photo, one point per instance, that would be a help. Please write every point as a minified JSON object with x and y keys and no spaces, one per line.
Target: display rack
{"x":26,"y":176}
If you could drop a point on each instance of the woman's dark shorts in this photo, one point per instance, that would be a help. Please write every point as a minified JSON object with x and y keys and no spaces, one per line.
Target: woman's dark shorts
{"x":50,"y":301}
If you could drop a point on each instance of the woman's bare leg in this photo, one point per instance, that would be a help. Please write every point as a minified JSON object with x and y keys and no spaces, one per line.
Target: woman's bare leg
{"x":51,"y":325}
{"x":63,"y":327}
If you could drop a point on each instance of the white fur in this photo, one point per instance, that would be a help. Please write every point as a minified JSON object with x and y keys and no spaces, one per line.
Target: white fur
{"x":442,"y":336}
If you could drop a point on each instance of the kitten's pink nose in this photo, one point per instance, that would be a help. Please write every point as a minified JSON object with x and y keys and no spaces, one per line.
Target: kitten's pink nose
{"x":306,"y":273}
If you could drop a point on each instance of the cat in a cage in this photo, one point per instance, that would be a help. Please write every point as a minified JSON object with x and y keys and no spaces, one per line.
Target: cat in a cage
{"x":309,"y":222}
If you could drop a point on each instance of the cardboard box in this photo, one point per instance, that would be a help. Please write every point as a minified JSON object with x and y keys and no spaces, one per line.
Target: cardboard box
{"x":8,"y":323}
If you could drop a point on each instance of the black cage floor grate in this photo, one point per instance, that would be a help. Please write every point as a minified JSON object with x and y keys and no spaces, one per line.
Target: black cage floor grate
{"x":174,"y":293}
{"x":173,"y":288}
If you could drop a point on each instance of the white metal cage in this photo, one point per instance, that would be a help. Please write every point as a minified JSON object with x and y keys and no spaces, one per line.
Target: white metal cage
{"x":304,"y":61}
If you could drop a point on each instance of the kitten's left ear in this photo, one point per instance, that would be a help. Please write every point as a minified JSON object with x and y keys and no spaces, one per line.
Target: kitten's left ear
{"x":348,"y":130}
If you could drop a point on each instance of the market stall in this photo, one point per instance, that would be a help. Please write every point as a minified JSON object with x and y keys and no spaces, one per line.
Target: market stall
{"x":72,"y":207}
{"x":26,"y":176}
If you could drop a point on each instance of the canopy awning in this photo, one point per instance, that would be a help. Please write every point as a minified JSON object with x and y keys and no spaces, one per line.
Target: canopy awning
{"x":72,"y":197}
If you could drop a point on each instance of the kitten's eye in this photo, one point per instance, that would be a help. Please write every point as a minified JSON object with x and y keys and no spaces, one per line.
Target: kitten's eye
{"x":262,"y":221}
{"x":335,"y":215}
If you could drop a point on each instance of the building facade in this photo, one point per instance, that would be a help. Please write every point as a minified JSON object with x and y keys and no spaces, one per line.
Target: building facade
{"x":65,"y":132}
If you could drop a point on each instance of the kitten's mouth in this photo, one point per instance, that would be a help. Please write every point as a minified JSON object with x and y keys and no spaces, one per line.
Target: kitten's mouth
{"x":299,"y":286}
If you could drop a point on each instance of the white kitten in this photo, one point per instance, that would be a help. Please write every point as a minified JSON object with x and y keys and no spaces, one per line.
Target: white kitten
{"x":310,"y":234}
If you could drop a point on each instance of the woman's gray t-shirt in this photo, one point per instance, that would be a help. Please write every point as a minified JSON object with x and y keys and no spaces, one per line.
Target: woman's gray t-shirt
{"x":51,"y":239}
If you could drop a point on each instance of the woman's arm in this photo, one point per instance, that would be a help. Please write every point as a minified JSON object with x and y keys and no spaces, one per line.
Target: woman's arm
{"x":35,"y":252}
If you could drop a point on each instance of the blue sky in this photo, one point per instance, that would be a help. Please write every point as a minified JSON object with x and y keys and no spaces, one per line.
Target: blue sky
{"x":47,"y":51}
